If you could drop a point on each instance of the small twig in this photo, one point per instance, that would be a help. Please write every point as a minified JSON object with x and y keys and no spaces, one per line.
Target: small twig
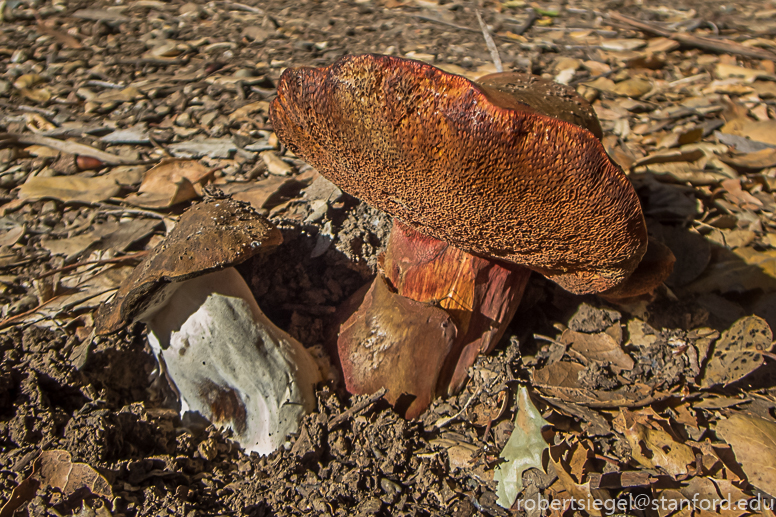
{"x":66,"y":147}
{"x":445,"y":421}
{"x":350,"y":413}
{"x":723,"y":46}
{"x":490,"y":43}
{"x":123,"y":258}
{"x":151,"y":61}
{"x":105,"y":84}
{"x":243,"y":7}
{"x":12,"y":319}
{"x":31,"y":109}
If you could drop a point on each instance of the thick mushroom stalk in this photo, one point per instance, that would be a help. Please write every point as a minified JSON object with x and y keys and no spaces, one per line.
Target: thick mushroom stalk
{"x":499,"y":174}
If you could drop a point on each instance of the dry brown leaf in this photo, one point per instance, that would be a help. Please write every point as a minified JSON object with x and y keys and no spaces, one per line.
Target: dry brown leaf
{"x":600,"y":347}
{"x":732,"y":238}
{"x":39,"y":95}
{"x":634,"y":87}
{"x":56,"y":469}
{"x":65,"y":39}
{"x":249,"y":109}
{"x":264,"y":194}
{"x":725,"y":71}
{"x":752,"y":161}
{"x":656,"y":448}
{"x":738,"y":352}
{"x":561,"y":380}
{"x":739,"y":270}
{"x":759,"y":131}
{"x":579,"y":492}
{"x":754,"y":443}
{"x":78,"y":188}
{"x":170,"y":182}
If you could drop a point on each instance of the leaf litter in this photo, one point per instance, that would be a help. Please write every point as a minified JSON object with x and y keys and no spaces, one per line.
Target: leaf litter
{"x":672,"y":397}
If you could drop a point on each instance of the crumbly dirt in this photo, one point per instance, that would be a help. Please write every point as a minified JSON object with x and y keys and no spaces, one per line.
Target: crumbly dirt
{"x":103,"y":400}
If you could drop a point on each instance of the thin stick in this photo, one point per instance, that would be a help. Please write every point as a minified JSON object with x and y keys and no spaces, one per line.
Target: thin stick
{"x":490,"y":43}
{"x":67,"y":147}
{"x":337,"y":420}
{"x":113,"y":260}
{"x":723,"y":46}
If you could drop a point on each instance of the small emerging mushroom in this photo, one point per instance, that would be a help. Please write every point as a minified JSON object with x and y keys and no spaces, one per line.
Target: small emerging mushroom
{"x":486,"y":183}
{"x":228,"y":362}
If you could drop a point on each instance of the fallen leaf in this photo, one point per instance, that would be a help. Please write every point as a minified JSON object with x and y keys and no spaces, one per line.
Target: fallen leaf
{"x":275,"y":165}
{"x":739,"y":270}
{"x":600,"y":347}
{"x":170,"y":182}
{"x":522,"y":451}
{"x":725,"y":71}
{"x":738,"y":352}
{"x":39,"y":95}
{"x":634,"y":87}
{"x":77,"y":188}
{"x":752,"y":161}
{"x":656,"y":448}
{"x":210,"y":147}
{"x":580,"y":493}
{"x":754,"y":443}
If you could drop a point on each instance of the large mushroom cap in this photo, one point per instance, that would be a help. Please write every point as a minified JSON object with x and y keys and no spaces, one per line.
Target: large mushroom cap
{"x":209,"y":236}
{"x":482,"y":171}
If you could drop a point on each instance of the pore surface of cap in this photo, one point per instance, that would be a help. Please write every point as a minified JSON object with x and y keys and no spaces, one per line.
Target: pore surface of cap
{"x":491,"y":176}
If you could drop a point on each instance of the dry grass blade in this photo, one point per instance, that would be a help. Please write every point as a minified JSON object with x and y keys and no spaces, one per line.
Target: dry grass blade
{"x":494,"y":55}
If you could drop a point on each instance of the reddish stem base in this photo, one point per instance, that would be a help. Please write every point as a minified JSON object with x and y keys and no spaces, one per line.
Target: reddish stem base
{"x":425,"y":319}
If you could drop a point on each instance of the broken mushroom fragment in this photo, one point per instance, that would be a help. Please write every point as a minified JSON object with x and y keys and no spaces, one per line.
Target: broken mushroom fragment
{"x":488,"y":181}
{"x":228,"y":362}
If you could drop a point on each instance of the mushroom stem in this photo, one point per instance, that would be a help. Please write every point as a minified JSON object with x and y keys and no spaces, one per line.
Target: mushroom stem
{"x":479,"y":295}
{"x":229,"y":363}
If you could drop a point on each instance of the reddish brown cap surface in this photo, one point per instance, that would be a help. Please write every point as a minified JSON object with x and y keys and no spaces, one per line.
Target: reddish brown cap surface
{"x":487,"y":174}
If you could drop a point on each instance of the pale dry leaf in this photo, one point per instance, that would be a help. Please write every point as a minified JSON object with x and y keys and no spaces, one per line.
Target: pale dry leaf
{"x":738,"y":352}
{"x":739,"y":270}
{"x":170,"y":182}
{"x":522,"y":451}
{"x":56,"y":468}
{"x":754,"y":443}
{"x":656,"y":448}
{"x":78,"y":188}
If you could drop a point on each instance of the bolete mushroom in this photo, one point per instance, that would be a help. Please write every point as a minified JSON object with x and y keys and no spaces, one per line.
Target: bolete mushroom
{"x":486,"y":183}
{"x":226,"y":359}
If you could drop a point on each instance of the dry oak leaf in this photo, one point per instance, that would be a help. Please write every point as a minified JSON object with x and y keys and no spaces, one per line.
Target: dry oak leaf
{"x":738,"y":270}
{"x":754,"y":443}
{"x":74,"y":189}
{"x":171,"y":182}
{"x":523,"y":450}
{"x":738,"y":352}
{"x":56,"y":469}
{"x":561,"y":457}
{"x":656,"y":448}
